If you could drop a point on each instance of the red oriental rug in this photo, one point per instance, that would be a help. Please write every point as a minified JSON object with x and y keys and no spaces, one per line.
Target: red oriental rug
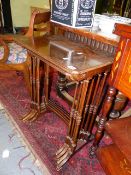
{"x":46,"y":134}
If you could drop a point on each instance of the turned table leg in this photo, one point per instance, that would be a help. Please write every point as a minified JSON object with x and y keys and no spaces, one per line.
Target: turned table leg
{"x":119,"y":104}
{"x":61,"y":84}
{"x":65,"y":152}
{"x":105,"y":111}
{"x":35,"y":90}
{"x":62,"y":88}
{"x":93,"y":101}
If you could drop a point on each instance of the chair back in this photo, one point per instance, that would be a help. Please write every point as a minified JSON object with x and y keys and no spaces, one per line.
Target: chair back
{"x":39,"y":23}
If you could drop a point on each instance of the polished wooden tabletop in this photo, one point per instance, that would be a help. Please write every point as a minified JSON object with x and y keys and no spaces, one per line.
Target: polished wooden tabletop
{"x":88,"y":68}
{"x":64,"y":55}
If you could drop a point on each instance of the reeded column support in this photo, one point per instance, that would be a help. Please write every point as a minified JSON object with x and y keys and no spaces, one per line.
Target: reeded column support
{"x":35,"y":90}
{"x":65,"y":152}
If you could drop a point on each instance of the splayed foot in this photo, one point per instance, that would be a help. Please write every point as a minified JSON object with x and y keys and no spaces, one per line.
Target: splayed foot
{"x":62,"y":155}
{"x":31,"y":116}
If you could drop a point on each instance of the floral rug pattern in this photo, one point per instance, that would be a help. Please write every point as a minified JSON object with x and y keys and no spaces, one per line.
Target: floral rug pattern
{"x":47,"y":133}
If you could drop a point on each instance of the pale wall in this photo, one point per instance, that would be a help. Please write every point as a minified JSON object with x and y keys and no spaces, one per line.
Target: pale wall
{"x":21,"y":10}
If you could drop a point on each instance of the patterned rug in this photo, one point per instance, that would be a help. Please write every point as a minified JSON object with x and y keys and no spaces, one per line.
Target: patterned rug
{"x":45,"y":135}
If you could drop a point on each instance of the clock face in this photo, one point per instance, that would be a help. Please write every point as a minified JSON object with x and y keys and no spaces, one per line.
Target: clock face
{"x":61,"y":4}
{"x":86,"y":4}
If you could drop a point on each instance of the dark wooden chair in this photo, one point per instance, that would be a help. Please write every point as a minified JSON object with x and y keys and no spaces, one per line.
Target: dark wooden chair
{"x":119,"y":79}
{"x":15,"y":57}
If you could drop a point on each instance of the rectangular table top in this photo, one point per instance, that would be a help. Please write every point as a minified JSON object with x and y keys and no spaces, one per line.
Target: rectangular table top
{"x":66,"y":56}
